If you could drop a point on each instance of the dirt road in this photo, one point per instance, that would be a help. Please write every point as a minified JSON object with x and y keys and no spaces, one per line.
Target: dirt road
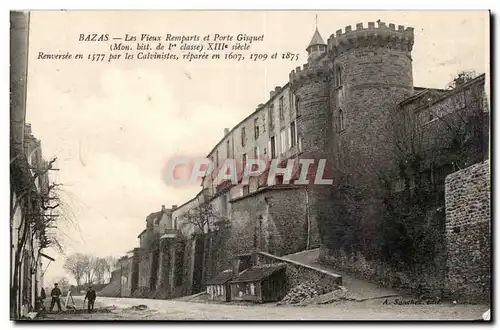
{"x":346,"y":310}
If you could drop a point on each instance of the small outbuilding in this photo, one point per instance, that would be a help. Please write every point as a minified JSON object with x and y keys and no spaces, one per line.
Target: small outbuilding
{"x":262,"y":283}
{"x":218,"y":288}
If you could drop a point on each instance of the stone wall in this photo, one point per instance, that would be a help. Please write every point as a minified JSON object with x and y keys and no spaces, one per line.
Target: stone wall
{"x":112,"y":289}
{"x":144,"y":275}
{"x":426,"y":281}
{"x":126,"y":276}
{"x":278,"y":226}
{"x":468,"y":232}
{"x":188,"y":266}
{"x":165,"y":268}
{"x":297,"y":273}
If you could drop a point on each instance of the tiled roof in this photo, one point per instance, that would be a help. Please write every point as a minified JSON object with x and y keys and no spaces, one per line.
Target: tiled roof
{"x":221,"y":278}
{"x":258,"y":273}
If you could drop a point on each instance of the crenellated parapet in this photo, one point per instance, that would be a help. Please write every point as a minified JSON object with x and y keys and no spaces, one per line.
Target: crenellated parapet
{"x":379,"y":36}
{"x":303,"y":74}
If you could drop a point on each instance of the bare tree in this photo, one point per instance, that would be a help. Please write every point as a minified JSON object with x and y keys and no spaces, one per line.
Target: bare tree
{"x":34,"y":222}
{"x":202,"y":217}
{"x":461,"y":78}
{"x":101,"y":268}
{"x":76,"y":265}
{"x":465,"y":120}
{"x":89,"y":274}
{"x":113,"y":265}
{"x":445,"y":128}
{"x":63,"y":284}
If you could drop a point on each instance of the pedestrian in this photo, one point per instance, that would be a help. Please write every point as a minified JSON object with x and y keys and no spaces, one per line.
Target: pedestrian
{"x":56,"y":298}
{"x":42,"y":298}
{"x":90,"y":296}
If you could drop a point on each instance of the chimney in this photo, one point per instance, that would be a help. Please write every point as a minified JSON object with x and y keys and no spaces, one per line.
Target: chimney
{"x":163,"y":208}
{"x":27,"y":129}
{"x":260,"y":105}
{"x":174,"y":206}
{"x":226,"y":131}
{"x":236,"y":267}
{"x":277,"y":89}
{"x":254,"y":259}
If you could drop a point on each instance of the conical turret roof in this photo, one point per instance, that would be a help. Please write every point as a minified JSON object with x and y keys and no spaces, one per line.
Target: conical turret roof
{"x":316,"y":39}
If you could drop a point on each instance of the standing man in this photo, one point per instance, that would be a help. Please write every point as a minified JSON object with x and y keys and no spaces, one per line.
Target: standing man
{"x":90,"y":296}
{"x":56,"y":298}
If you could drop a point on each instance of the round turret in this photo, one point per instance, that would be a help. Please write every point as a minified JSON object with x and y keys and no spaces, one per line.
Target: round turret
{"x":310,"y":86}
{"x":380,"y":55}
{"x":372,"y":73}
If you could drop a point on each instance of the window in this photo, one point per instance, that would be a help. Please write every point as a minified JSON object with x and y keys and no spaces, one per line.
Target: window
{"x":255,"y":238}
{"x":273,"y":147}
{"x":243,"y":136}
{"x":228,"y":149}
{"x":431,"y":117}
{"x":338,"y":76}
{"x":217,"y":159}
{"x":256,"y":152}
{"x":265,"y":151}
{"x":399,"y":185}
{"x":263,"y":123}
{"x":243,"y":161}
{"x":299,"y":141}
{"x":175,"y":223}
{"x":293,"y":139}
{"x":281,"y":109}
{"x":297,"y":105}
{"x":283,"y":141}
{"x":224,"y":205}
{"x":271,"y":117}
{"x":341,"y":120}
{"x":256,"y":128}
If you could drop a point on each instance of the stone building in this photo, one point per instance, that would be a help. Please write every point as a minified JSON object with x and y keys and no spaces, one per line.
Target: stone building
{"x":340,"y":108}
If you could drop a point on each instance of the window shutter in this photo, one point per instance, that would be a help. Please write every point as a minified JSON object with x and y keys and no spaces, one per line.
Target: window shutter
{"x":290,"y":137}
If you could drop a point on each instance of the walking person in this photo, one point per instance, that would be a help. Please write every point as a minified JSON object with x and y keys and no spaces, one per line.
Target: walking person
{"x":56,"y":298}
{"x":90,"y":296}
{"x":43,"y":296}
{"x":41,"y":300}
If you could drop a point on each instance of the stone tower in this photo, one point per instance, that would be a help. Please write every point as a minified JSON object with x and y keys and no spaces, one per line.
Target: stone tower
{"x":372,"y":73}
{"x":310,"y":86}
{"x":344,"y":97}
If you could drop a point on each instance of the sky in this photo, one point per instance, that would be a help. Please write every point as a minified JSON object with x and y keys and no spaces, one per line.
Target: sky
{"x":114,"y":125}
